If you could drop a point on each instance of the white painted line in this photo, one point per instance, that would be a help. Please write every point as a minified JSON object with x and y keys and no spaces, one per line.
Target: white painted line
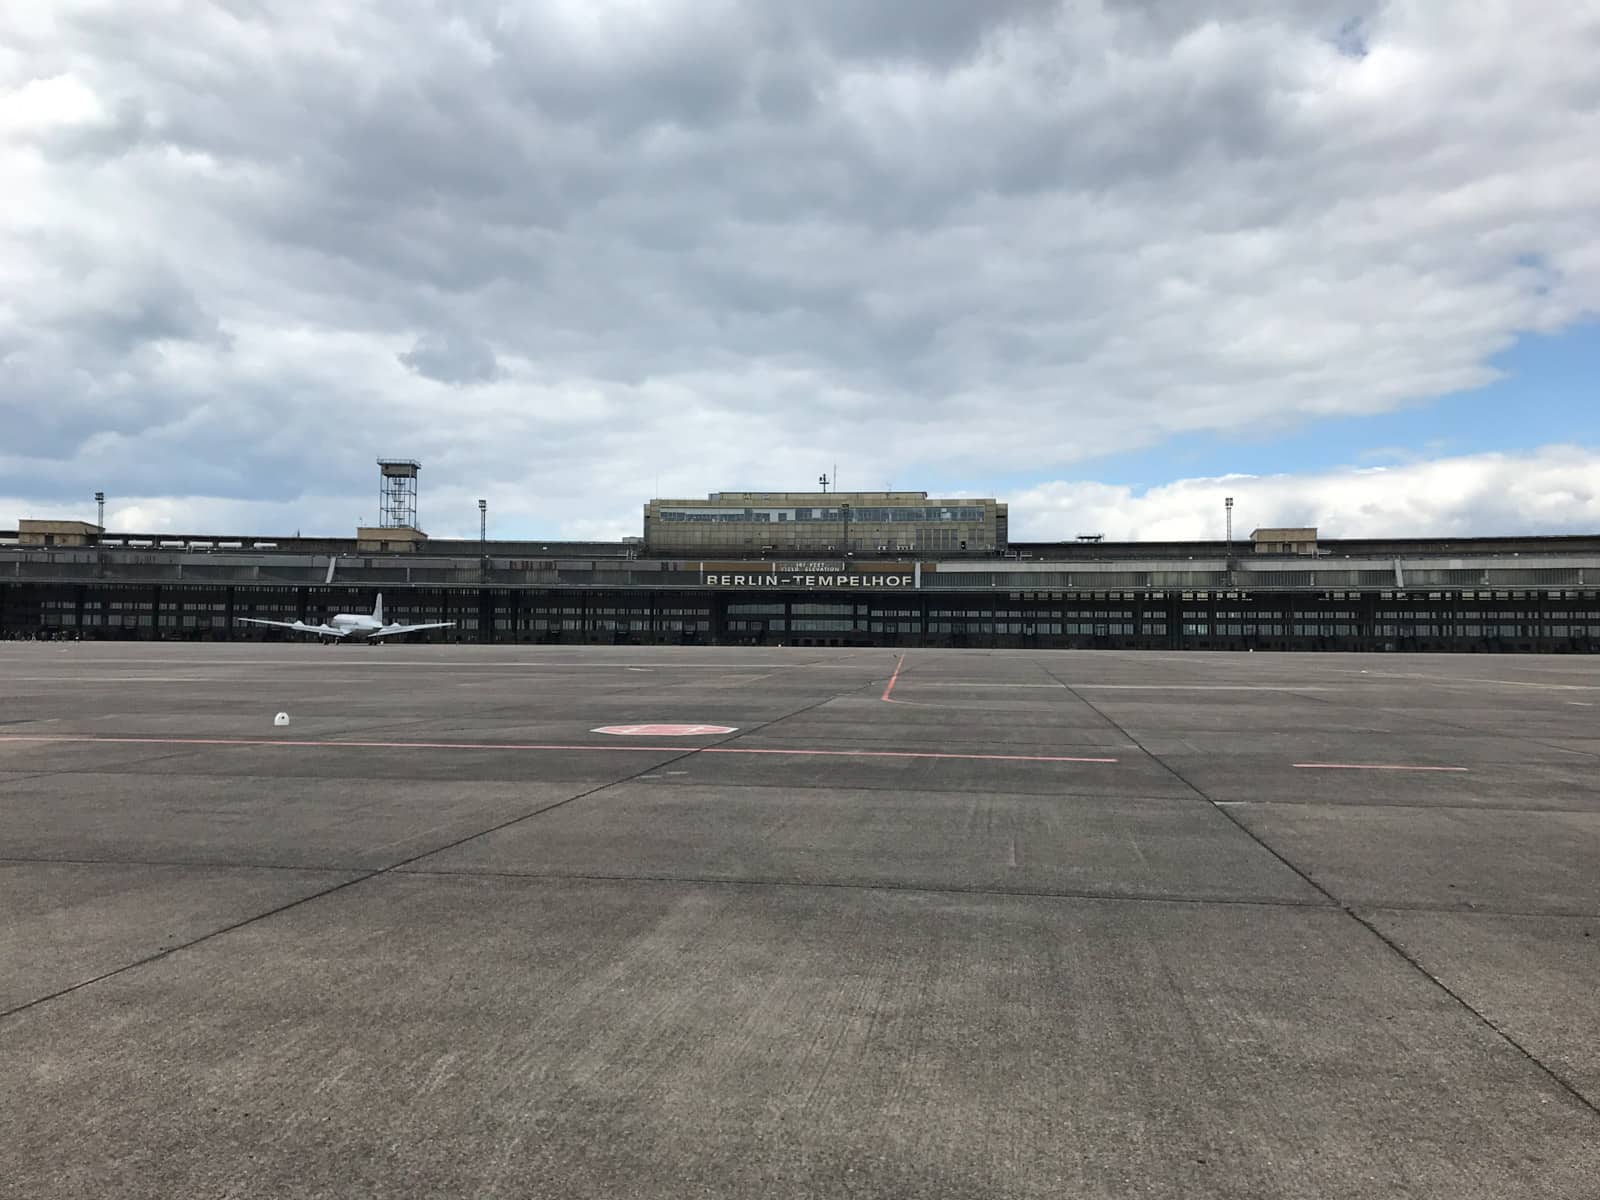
{"x":957,"y":684}
{"x":1133,"y":687}
{"x":1203,"y":687}
{"x":1370,"y":767}
{"x":1554,"y":687}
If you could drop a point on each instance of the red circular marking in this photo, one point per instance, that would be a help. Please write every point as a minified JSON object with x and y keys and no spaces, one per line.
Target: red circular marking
{"x":664,"y":730}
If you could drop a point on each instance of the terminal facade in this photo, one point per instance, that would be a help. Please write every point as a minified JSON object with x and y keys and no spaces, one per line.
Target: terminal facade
{"x":883,"y":583}
{"x":846,"y":524}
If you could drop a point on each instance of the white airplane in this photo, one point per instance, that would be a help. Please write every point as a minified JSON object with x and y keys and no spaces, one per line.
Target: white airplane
{"x":364,"y":626}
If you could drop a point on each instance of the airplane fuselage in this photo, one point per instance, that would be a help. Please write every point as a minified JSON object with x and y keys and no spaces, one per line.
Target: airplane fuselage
{"x":355,"y":624}
{"x":358,"y":626}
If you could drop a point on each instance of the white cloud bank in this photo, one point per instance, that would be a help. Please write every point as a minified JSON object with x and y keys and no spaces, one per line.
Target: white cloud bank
{"x":570,"y":253}
{"x":1554,"y":490}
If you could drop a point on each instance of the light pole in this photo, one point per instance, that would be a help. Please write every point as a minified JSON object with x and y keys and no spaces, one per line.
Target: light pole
{"x":483,"y":538}
{"x":1227,"y":505}
{"x":100,"y":538}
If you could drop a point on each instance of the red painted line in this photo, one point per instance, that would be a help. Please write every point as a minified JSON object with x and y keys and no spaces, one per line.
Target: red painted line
{"x":1369,"y":767}
{"x":893,"y":679}
{"x":912,"y":754}
{"x":163,"y":741}
{"x":607,"y":749}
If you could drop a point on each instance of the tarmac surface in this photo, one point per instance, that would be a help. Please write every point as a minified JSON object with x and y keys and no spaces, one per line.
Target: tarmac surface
{"x":952,"y":924}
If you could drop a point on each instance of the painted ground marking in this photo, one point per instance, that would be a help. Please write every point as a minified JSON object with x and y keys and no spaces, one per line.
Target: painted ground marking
{"x":664,"y":730}
{"x":507,"y":746}
{"x":1370,"y":767}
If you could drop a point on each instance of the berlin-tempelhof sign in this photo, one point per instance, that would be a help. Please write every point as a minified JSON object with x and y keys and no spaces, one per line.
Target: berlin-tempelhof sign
{"x":811,"y":576}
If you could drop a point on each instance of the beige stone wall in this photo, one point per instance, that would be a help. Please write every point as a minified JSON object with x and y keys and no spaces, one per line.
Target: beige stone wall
{"x":389,"y":541}
{"x":1300,"y":540}
{"x":56,"y":533}
{"x":860,"y":536}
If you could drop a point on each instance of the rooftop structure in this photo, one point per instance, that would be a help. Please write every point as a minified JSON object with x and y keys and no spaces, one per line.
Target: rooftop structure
{"x":848,"y":524}
{"x":57,"y":533}
{"x":397,"y":493}
{"x":1284,"y":541}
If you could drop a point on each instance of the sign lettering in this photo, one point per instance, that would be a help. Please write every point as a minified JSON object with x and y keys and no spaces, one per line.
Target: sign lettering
{"x":784,"y":580}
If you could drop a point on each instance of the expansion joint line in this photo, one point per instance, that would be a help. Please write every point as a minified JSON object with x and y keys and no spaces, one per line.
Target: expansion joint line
{"x":1334,"y":901}
{"x":365,"y":876}
{"x":361,"y":877}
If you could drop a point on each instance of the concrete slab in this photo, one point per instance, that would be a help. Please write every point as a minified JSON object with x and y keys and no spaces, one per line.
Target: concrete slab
{"x":1268,"y":778}
{"x":1131,"y":775}
{"x":65,"y":923}
{"x":860,"y":1021}
{"x":421,"y":763}
{"x":244,"y":820}
{"x":1541,"y":862}
{"x":969,"y":729}
{"x":35,"y":757}
{"x":1533,"y":977}
{"x":457,"y":1036}
{"x":664,"y":827}
{"x":1315,"y":742}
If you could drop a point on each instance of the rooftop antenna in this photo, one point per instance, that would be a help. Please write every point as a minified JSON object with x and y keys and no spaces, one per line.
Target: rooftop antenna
{"x":823,"y":480}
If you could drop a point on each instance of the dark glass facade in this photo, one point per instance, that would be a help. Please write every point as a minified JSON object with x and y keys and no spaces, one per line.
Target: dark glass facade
{"x":1548,"y":620}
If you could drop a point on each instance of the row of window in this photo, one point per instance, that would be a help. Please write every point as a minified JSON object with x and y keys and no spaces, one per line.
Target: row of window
{"x":773,"y":516}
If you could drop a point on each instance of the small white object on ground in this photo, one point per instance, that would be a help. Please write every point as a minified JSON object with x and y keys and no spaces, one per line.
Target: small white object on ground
{"x":281,"y":719}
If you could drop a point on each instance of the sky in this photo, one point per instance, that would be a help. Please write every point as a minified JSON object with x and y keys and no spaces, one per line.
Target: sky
{"x":1109,"y":260}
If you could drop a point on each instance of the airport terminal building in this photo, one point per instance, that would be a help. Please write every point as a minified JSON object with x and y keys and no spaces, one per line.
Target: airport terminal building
{"x":828,"y":523}
{"x":875,"y":568}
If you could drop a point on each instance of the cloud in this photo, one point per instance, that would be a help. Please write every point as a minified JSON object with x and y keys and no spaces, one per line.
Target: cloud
{"x":1553,"y":490}
{"x":707,"y":242}
{"x":452,"y":357}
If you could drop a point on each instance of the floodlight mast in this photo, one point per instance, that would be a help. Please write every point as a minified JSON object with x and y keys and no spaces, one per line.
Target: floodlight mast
{"x":483,"y":538}
{"x":1227,"y":505}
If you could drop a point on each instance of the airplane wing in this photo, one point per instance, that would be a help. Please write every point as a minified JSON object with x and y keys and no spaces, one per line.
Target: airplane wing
{"x":392,"y":630}
{"x":297,"y":626}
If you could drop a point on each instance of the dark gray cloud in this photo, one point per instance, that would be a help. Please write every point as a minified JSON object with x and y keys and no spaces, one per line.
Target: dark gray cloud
{"x":934,"y":33}
{"x":452,"y":357}
{"x":664,"y":242}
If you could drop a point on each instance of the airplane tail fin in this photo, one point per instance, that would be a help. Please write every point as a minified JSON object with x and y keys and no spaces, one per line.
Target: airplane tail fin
{"x":377,"y":612}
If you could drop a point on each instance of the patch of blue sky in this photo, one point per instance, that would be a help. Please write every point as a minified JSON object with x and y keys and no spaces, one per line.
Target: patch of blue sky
{"x":1548,"y":393}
